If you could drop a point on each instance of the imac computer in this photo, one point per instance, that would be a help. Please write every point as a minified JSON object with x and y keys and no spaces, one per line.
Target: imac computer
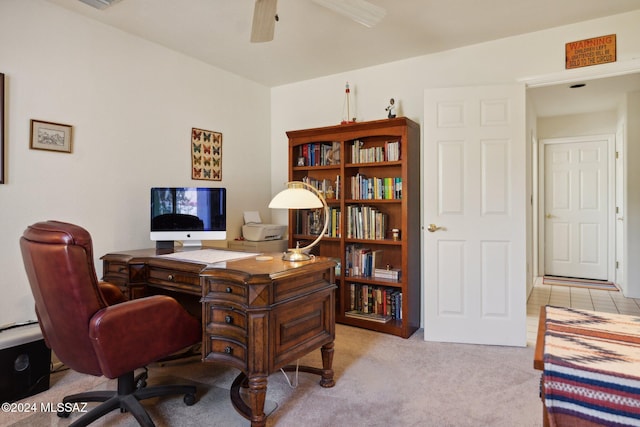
{"x":187,"y":214}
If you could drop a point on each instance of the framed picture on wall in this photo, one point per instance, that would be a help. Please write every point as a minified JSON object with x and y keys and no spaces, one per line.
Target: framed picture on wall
{"x":50,"y":136}
{"x":1,"y":128}
{"x":206,"y":155}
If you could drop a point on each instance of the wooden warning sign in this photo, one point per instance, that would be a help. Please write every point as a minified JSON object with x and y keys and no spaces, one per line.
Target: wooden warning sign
{"x":598,"y":50}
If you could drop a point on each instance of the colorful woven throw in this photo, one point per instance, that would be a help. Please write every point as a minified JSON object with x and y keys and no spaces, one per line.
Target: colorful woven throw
{"x":591,"y":368}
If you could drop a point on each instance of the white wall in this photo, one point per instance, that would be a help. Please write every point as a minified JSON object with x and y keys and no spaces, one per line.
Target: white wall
{"x":632,"y":208}
{"x":599,"y":123}
{"x":318,"y":102}
{"x":132,"y":105}
{"x":622,"y":257}
{"x":531,"y":189}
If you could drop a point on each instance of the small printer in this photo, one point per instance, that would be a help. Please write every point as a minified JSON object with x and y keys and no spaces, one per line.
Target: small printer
{"x":255,"y":231}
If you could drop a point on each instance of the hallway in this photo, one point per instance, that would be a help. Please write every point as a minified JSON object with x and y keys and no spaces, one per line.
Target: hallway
{"x":581,"y":298}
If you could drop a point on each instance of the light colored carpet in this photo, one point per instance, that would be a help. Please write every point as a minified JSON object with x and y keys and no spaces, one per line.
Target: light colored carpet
{"x":381,"y":380}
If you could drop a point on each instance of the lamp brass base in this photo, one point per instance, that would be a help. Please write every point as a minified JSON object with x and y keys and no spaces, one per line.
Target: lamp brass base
{"x":295,"y":255}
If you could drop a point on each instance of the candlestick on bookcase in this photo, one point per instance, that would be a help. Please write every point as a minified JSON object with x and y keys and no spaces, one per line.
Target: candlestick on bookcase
{"x":346,"y":110}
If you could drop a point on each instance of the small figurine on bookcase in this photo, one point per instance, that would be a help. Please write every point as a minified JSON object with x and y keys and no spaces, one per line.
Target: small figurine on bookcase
{"x":391,"y":109}
{"x":330,"y":193}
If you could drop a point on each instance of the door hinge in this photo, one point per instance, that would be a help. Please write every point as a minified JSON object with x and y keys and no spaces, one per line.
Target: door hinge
{"x":617,"y":265}
{"x":617,"y":155}
{"x":617,"y":210}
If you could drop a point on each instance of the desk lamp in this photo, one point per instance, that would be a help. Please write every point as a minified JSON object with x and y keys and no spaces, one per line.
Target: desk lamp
{"x":300,"y":195}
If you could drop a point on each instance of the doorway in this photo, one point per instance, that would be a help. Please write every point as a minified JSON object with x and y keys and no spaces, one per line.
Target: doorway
{"x":552,"y":101}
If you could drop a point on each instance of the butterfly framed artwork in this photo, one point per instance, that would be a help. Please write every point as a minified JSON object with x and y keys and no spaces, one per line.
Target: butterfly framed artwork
{"x":206,"y":155}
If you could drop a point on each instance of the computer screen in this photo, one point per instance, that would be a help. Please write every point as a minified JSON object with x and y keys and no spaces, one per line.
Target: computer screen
{"x":188,"y":214}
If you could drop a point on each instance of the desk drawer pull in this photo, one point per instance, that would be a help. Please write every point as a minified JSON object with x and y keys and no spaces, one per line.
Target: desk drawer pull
{"x":228,"y":319}
{"x":228,"y":350}
{"x":170,"y":277}
{"x":228,"y":290}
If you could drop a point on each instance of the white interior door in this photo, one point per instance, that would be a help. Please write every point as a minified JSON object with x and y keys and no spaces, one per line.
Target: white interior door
{"x":475,"y":196}
{"x":576,"y":203}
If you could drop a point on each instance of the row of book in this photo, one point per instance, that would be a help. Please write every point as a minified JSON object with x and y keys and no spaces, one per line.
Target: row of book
{"x":377,"y":303}
{"x":361,"y":261}
{"x":364,"y":188}
{"x":366,"y":262}
{"x":319,"y":154}
{"x":387,"y":273}
{"x":310,"y":222}
{"x":329,"y":189}
{"x":365,"y":222}
{"x":390,"y":152}
{"x":335,"y":223}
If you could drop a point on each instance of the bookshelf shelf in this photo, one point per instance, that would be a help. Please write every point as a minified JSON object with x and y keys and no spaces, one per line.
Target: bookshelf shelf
{"x":374,"y":281}
{"x":311,"y":237}
{"x":371,"y":171}
{"x":307,"y":168}
{"x":365,"y":201}
{"x":372,"y":164}
{"x":374,"y":241}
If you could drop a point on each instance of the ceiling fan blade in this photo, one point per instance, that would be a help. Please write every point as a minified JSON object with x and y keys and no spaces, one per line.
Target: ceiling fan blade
{"x":361,"y":11}
{"x":100,"y":4}
{"x":264,"y":21}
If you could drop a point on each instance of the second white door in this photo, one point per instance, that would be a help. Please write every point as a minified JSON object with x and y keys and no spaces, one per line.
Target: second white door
{"x":576,"y":204}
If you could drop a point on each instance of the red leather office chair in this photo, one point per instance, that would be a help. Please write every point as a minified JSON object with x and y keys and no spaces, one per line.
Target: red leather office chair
{"x":93,"y":329}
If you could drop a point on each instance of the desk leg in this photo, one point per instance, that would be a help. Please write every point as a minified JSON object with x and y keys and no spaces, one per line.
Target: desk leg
{"x":253,"y":410}
{"x":326,"y":373}
{"x":257,"y":390}
{"x":327,"y":366}
{"x":257,"y":395}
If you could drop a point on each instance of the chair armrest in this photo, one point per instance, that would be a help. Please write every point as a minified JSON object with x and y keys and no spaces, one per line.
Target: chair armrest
{"x":111,"y":293}
{"x":132,"y":334}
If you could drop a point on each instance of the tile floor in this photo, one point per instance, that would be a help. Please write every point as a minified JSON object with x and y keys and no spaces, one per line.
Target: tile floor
{"x":564,"y":296}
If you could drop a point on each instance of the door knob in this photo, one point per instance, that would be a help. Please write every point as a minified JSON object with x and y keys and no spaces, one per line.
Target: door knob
{"x":433,"y":227}
{"x":549,"y":216}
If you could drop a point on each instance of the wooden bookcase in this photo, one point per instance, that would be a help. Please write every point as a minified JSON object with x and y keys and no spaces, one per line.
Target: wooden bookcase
{"x":326,"y":157}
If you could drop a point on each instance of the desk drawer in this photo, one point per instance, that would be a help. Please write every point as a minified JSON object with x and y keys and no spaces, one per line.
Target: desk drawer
{"x":227,"y":322}
{"x":225,"y":290}
{"x":115,"y":272}
{"x":230,"y":352}
{"x":174,"y":280}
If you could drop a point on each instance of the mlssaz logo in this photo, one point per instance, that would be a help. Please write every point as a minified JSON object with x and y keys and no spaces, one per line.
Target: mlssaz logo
{"x":63,"y":407}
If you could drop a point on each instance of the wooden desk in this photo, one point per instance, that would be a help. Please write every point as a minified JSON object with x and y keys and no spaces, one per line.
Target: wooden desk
{"x":257,"y":316}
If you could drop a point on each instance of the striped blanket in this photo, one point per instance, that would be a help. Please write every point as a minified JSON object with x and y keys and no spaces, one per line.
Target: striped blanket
{"x":591,"y":368}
